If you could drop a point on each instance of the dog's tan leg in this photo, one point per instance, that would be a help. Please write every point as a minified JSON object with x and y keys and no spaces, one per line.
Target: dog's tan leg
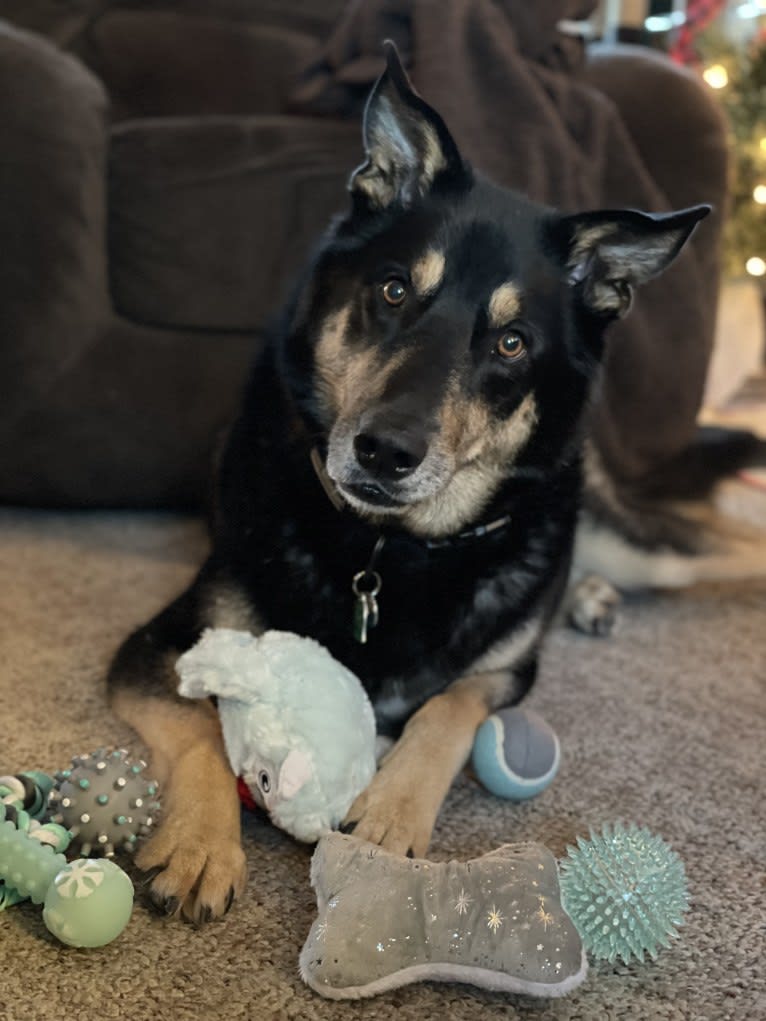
{"x":400,"y":806}
{"x":197,"y":849}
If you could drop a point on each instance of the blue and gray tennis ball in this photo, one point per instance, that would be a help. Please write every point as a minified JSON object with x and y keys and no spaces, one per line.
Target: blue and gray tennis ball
{"x":515,"y":754}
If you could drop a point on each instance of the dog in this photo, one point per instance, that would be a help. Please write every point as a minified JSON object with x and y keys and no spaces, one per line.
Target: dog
{"x":402,"y":483}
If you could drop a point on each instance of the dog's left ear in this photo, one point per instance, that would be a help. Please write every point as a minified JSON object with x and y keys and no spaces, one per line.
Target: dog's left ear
{"x":608,"y":253}
{"x":409,"y":149}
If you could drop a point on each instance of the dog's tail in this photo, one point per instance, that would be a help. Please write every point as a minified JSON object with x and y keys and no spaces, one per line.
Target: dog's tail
{"x":602,"y":550}
{"x":672,"y":529}
{"x":714,"y":453}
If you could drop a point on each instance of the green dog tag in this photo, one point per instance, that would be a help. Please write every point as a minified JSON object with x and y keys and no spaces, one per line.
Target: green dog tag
{"x":366,"y":586}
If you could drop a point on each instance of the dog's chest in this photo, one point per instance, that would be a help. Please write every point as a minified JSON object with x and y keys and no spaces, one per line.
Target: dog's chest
{"x":437,"y":612}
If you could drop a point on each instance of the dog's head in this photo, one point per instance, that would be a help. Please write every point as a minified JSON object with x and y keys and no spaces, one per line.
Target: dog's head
{"x":451,"y":328}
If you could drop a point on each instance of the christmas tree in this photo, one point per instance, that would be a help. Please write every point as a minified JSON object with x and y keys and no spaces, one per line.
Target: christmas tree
{"x":738,"y":75}
{"x":727,"y":45}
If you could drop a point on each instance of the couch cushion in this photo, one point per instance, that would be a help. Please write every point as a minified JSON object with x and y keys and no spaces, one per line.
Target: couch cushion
{"x":162,"y":63}
{"x":208,"y":218}
{"x":134,"y":422}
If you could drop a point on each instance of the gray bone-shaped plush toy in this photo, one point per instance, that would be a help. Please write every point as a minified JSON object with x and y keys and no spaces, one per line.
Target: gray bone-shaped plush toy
{"x":385,"y":921}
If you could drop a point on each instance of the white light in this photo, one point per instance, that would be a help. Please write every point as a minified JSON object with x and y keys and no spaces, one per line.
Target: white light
{"x":756,"y":267}
{"x":751,"y":10}
{"x":716,"y":76}
{"x":759,"y":194}
{"x":664,"y":22}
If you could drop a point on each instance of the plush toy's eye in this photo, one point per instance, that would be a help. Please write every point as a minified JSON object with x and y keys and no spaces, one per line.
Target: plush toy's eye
{"x":394,"y":291}
{"x":264,"y":781}
{"x":511,"y":345}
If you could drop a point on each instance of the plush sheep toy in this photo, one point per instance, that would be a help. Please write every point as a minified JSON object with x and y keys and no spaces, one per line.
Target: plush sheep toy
{"x":298,"y":726}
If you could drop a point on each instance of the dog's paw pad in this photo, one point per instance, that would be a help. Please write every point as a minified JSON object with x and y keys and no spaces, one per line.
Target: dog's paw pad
{"x":593,"y":606}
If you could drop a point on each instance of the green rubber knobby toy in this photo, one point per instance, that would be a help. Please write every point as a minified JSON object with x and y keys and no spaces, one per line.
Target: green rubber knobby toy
{"x":85,"y":904}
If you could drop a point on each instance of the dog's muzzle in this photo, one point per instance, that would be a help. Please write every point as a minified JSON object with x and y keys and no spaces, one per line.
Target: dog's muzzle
{"x":383,"y":461}
{"x":389,"y":454}
{"x":386,"y":455}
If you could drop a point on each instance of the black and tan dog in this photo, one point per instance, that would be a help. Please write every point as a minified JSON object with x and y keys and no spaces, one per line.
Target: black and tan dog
{"x":402,"y":483}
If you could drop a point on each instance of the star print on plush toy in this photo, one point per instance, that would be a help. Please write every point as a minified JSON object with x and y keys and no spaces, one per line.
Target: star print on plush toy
{"x":494,"y":919}
{"x":463,"y":902}
{"x":545,"y":917}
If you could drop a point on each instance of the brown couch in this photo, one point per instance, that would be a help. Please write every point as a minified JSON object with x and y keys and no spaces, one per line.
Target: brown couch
{"x":166,"y":167}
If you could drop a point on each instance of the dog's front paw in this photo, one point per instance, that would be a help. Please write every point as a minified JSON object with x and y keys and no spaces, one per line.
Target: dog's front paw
{"x":194,"y":869}
{"x":395,"y":811}
{"x":593,"y":605}
{"x":395,"y":825}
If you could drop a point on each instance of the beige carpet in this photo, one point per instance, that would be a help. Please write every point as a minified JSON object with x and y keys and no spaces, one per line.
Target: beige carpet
{"x":664,"y":724}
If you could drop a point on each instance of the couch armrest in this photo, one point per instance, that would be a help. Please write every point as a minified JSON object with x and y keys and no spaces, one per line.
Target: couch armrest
{"x":674,"y":121}
{"x":134,"y":422}
{"x":680,"y":134}
{"x":657,"y":358}
{"x":53,"y":293}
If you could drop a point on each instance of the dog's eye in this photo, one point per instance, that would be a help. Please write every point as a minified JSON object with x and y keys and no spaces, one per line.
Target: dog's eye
{"x":511,"y":345}
{"x":394,"y":291}
{"x":264,"y":781}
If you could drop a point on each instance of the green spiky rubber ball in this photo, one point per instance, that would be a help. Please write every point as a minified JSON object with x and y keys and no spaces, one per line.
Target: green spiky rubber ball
{"x":625,"y":890}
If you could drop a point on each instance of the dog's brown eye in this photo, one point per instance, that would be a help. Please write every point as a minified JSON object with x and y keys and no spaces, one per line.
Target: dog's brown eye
{"x":264,"y":781}
{"x":511,"y":345}
{"x":394,"y":291}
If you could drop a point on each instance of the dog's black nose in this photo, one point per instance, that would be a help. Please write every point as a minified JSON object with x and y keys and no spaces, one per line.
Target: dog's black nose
{"x":390,"y":453}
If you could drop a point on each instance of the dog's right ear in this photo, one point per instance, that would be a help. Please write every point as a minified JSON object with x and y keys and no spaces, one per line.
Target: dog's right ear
{"x":409,"y":149}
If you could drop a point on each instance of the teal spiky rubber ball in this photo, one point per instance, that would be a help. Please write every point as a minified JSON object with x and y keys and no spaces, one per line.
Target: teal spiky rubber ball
{"x":625,"y":890}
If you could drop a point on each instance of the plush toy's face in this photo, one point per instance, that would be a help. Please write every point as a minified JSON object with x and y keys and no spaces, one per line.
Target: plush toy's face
{"x":283,"y":781}
{"x":271,"y":783}
{"x":295,"y":796}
